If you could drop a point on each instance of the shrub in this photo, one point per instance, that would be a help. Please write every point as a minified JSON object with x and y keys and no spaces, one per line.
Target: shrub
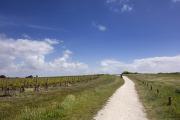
{"x":2,"y":76}
{"x":30,"y":76}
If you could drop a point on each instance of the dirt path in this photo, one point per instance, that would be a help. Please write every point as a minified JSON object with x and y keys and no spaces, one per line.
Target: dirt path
{"x":123,"y":105}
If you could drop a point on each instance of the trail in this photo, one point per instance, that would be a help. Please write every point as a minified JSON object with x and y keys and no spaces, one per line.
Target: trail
{"x":124,"y":104}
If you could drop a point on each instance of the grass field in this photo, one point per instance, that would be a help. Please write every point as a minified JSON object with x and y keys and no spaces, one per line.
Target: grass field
{"x":154,"y":91}
{"x":81,"y":101}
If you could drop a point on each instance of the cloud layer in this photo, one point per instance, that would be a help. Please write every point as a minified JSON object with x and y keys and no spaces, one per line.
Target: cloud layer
{"x":28,"y":56}
{"x":145,"y":65}
{"x":21,"y":57}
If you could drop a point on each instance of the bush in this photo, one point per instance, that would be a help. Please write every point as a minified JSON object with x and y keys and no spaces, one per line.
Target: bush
{"x":126,"y":72}
{"x":29,"y":76}
{"x":2,"y":76}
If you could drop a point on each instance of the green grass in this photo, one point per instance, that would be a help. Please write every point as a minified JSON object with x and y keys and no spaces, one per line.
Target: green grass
{"x":156,"y":104}
{"x":81,"y":101}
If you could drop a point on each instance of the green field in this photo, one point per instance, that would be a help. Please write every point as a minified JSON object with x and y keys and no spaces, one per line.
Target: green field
{"x":78,"y":101}
{"x":154,"y":91}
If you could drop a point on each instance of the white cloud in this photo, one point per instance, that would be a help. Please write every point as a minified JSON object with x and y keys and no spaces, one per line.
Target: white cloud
{"x":99,"y":27}
{"x":120,"y":5}
{"x":28,"y":56}
{"x":40,"y":27}
{"x":111,"y":66}
{"x":51,"y":41}
{"x":110,"y":1}
{"x":126,"y":7}
{"x":26,"y":36}
{"x":146,"y":65}
{"x":102,"y":27}
{"x":175,"y":1}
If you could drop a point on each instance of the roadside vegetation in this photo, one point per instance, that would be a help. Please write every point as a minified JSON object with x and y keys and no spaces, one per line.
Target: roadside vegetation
{"x":77,"y":101}
{"x":160,"y":94}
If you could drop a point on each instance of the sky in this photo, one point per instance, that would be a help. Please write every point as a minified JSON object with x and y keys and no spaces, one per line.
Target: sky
{"x":72,"y":37}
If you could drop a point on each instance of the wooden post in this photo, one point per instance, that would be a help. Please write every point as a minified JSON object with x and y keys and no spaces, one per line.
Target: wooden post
{"x":169,"y":100}
{"x":23,"y":86}
{"x":22,"y":89}
{"x":151,"y":87}
{"x":157,"y":91}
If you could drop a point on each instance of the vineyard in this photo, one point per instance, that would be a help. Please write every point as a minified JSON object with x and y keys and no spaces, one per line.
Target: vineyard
{"x":11,"y":86}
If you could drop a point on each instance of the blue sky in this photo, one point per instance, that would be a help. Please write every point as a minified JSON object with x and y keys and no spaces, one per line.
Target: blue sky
{"x":117,"y":32}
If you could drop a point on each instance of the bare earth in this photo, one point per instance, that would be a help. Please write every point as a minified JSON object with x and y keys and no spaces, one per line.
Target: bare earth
{"x":124,"y":104}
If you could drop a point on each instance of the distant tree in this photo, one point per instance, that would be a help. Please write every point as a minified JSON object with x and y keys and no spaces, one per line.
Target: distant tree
{"x":2,"y":76}
{"x":127,"y":72}
{"x":30,"y":76}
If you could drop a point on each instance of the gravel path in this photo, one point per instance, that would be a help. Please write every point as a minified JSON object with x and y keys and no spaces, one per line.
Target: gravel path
{"x":123,"y":105}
